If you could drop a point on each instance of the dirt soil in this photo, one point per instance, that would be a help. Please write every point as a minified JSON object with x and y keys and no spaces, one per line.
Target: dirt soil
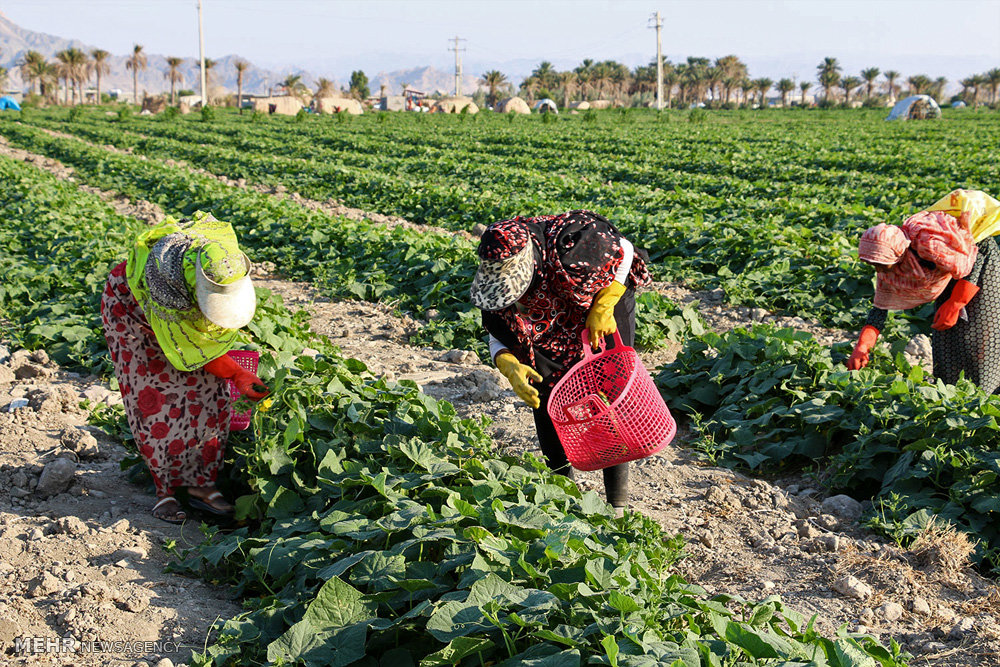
{"x":81,"y":556}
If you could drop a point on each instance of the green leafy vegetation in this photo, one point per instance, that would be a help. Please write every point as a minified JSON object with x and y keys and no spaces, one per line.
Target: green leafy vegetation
{"x":771,"y":400}
{"x":766,"y":206}
{"x":383,"y":529}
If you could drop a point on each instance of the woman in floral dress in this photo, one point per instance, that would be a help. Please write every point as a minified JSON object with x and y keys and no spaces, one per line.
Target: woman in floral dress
{"x":171,"y":312}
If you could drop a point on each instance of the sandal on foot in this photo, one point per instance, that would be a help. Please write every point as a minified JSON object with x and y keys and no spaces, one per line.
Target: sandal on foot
{"x":206,"y":504}
{"x":177,"y":517}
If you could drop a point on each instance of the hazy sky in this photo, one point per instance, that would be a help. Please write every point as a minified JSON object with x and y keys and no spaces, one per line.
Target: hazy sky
{"x":398,"y":34}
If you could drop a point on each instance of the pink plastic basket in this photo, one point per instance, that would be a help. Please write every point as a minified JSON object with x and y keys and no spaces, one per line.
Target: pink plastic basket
{"x":606,"y":409}
{"x":248,"y":359}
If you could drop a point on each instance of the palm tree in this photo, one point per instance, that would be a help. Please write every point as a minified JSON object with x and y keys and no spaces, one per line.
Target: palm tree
{"x":733,"y":69}
{"x":890,"y":81}
{"x":65,"y":68}
{"x":979,"y":82}
{"x":545,"y":74}
{"x":869,"y":75}
{"x":101,"y":67}
{"x":828,"y":75}
{"x":919,"y":83}
{"x":785,"y":86}
{"x":80,"y":67}
{"x":620,"y":77}
{"x":293,"y":86}
{"x":670,"y":79}
{"x":936,"y":89}
{"x":713,"y":79}
{"x":762,"y":86}
{"x":849,"y":84}
{"x":30,"y":65}
{"x":967,"y":84}
{"x":137,"y":63}
{"x":804,"y":87}
{"x":492,"y":79}
{"x":569,"y":82}
{"x":241,"y":66}
{"x":584,"y":73}
{"x":209,"y":65}
{"x":173,"y":74}
{"x":993,"y":80}
{"x":46,"y":74}
{"x":325,"y":88}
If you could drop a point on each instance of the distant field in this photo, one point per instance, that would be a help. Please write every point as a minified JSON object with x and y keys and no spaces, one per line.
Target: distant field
{"x":767,"y":205}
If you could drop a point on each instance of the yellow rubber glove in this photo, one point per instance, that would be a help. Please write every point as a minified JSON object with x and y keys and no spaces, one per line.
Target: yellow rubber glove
{"x":518,"y":375}
{"x":601,"y":319}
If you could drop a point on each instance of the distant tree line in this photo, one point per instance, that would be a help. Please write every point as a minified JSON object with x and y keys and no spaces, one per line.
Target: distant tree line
{"x":725,"y":82}
{"x":721,"y":83}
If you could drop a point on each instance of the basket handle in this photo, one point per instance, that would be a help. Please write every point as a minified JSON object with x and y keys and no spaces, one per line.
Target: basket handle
{"x":592,"y":399}
{"x":588,"y":352}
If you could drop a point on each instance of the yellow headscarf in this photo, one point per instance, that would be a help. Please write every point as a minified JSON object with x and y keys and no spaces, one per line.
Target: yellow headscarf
{"x":187,"y":338}
{"x":983,"y":211}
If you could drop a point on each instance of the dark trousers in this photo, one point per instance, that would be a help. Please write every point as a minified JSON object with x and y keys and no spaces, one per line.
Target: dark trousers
{"x":615,"y":477}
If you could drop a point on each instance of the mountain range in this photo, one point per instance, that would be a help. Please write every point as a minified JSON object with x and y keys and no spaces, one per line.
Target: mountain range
{"x":435,"y":76}
{"x":15,"y":41}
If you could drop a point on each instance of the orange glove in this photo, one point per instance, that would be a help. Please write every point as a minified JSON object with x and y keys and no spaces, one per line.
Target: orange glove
{"x":866,"y":341}
{"x":948,"y":312}
{"x":247,"y":383}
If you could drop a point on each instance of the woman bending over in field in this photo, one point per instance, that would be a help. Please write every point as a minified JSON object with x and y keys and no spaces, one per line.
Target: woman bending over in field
{"x":541,"y":282}
{"x":170,"y":314}
{"x":946,"y":254}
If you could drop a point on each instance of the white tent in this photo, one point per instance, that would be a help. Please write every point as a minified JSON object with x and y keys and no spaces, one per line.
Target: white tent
{"x":958,"y":104}
{"x":915,"y":107}
{"x":546,"y":106}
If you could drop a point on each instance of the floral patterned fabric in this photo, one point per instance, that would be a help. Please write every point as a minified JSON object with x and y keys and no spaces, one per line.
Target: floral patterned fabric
{"x":578,"y":254}
{"x":180,"y":419}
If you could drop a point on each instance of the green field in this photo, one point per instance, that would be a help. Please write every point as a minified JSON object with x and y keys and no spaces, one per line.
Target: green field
{"x":379,"y":520}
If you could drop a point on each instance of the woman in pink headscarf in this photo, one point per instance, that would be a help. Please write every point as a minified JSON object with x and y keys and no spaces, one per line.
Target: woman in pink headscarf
{"x":932,"y":257}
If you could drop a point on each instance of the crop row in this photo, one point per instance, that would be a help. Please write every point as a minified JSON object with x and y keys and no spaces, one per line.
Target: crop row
{"x":772,"y":400}
{"x":415,"y":270}
{"x":382,"y":526}
{"x":741,"y":206}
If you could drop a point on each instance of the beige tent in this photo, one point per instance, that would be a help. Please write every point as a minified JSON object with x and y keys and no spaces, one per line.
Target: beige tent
{"x":582,"y":105}
{"x":337,"y":104}
{"x":285,"y":105}
{"x":513,"y":105}
{"x":455,"y":105}
{"x":600,"y":104}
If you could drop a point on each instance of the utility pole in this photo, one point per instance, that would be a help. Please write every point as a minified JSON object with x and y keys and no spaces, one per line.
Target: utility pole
{"x":458,"y":66}
{"x":659,"y":60}
{"x":201,"y":56}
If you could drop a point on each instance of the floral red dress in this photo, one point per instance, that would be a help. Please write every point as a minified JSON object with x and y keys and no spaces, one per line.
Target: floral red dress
{"x":180,"y":419}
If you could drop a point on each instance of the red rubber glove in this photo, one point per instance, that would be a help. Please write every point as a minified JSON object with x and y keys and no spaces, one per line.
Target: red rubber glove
{"x":866,"y":341}
{"x":247,"y":383}
{"x":948,"y":312}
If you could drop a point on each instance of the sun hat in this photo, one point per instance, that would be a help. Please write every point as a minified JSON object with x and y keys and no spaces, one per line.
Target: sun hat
{"x":506,"y":266}
{"x":883,"y":244}
{"x":225,"y":293}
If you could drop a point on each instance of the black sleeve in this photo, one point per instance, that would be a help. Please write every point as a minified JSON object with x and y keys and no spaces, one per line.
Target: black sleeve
{"x":876,"y":318}
{"x":497,"y":327}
